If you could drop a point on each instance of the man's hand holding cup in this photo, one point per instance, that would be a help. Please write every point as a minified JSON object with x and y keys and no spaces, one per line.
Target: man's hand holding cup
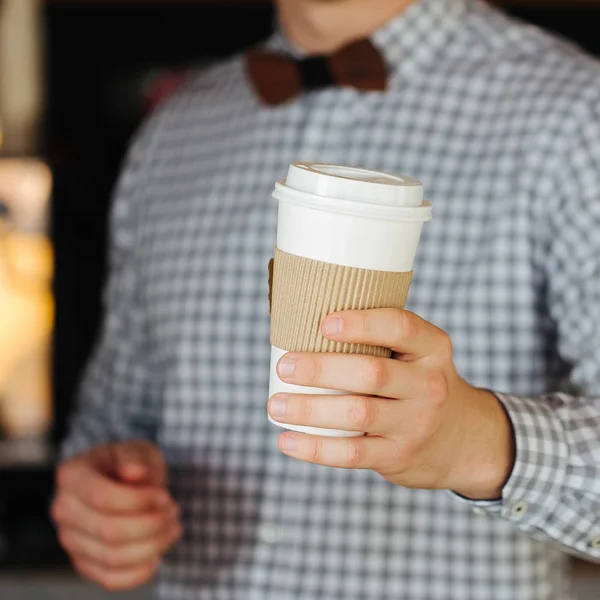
{"x":425,"y":426}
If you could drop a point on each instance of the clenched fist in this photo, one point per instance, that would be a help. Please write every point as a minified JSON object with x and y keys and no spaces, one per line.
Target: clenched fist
{"x":114,"y":515}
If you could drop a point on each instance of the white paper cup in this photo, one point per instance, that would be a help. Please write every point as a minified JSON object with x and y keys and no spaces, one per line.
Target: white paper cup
{"x":349,"y":217}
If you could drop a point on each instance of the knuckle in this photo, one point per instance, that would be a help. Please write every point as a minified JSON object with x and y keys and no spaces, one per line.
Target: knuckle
{"x":444,"y":345}
{"x":143,"y":577}
{"x":437,"y":388}
{"x":375,"y":374}
{"x":160,"y":522}
{"x":97,"y":498}
{"x":305,"y":411}
{"x":315,"y":369}
{"x":354,"y":458}
{"x":362,"y":323}
{"x":361,"y":412}
{"x":109,"y":533}
{"x":317,"y":450}
{"x":171,"y":539}
{"x":111,"y":558}
{"x":405,"y":325}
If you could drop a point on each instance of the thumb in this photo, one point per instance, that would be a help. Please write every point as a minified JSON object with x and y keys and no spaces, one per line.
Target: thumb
{"x":139,"y":462}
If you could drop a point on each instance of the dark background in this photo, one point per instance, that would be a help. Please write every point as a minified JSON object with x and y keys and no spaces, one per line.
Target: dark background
{"x":100,"y":58}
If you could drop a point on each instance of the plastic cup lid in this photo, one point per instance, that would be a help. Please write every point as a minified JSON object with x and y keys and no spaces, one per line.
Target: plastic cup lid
{"x":354,"y":184}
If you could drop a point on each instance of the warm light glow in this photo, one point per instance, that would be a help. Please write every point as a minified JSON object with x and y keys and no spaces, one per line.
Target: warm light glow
{"x":26,"y":304}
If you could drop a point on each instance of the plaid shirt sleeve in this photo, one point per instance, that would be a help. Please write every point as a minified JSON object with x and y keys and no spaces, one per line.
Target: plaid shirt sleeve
{"x":120,"y":394}
{"x":553,"y":493}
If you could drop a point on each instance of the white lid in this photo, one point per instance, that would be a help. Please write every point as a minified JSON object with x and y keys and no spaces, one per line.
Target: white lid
{"x":358,"y":185}
{"x":351,"y":190}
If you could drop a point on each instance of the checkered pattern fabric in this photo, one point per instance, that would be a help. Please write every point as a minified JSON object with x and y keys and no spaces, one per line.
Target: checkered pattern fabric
{"x":502,"y":123}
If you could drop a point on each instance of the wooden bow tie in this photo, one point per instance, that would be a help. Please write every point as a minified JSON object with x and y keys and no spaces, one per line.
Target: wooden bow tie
{"x":278,"y":79}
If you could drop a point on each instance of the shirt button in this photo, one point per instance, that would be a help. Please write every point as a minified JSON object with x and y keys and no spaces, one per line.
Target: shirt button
{"x":479,"y":512}
{"x":519,"y":509}
{"x":595,"y":543}
{"x":269,"y":533}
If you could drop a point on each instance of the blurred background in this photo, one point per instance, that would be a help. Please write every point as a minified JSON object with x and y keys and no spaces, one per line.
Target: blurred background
{"x":76,"y":79}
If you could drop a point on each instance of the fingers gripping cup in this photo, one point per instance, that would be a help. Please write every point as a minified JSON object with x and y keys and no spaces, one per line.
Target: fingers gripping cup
{"x":346,"y":240}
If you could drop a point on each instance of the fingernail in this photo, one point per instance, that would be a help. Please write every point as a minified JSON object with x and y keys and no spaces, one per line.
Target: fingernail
{"x":278,"y":406}
{"x":334,"y":326}
{"x":289,"y":444}
{"x":286,"y":367}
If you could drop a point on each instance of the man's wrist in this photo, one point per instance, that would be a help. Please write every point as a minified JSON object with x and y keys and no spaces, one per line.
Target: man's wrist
{"x":488,"y":448}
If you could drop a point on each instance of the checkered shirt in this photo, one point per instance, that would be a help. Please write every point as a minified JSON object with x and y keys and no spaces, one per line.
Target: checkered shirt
{"x":502,"y":123}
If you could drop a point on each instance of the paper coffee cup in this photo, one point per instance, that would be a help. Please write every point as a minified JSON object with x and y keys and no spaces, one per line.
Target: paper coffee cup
{"x":346,"y":239}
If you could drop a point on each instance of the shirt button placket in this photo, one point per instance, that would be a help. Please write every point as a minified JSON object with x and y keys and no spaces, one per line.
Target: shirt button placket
{"x":595,"y":543}
{"x":269,"y":533}
{"x":519,"y":509}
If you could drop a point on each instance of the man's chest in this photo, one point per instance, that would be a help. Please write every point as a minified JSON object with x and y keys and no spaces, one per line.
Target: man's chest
{"x":210,"y":227}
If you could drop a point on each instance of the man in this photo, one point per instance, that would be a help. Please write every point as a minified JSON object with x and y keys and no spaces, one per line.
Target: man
{"x":502,"y":123}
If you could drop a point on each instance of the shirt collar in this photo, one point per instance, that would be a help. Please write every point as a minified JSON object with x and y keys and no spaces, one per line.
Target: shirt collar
{"x":409,"y":40}
{"x":416,"y":37}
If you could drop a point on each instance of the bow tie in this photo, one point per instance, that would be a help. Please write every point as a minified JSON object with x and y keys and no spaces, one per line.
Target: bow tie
{"x":278,"y":78}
